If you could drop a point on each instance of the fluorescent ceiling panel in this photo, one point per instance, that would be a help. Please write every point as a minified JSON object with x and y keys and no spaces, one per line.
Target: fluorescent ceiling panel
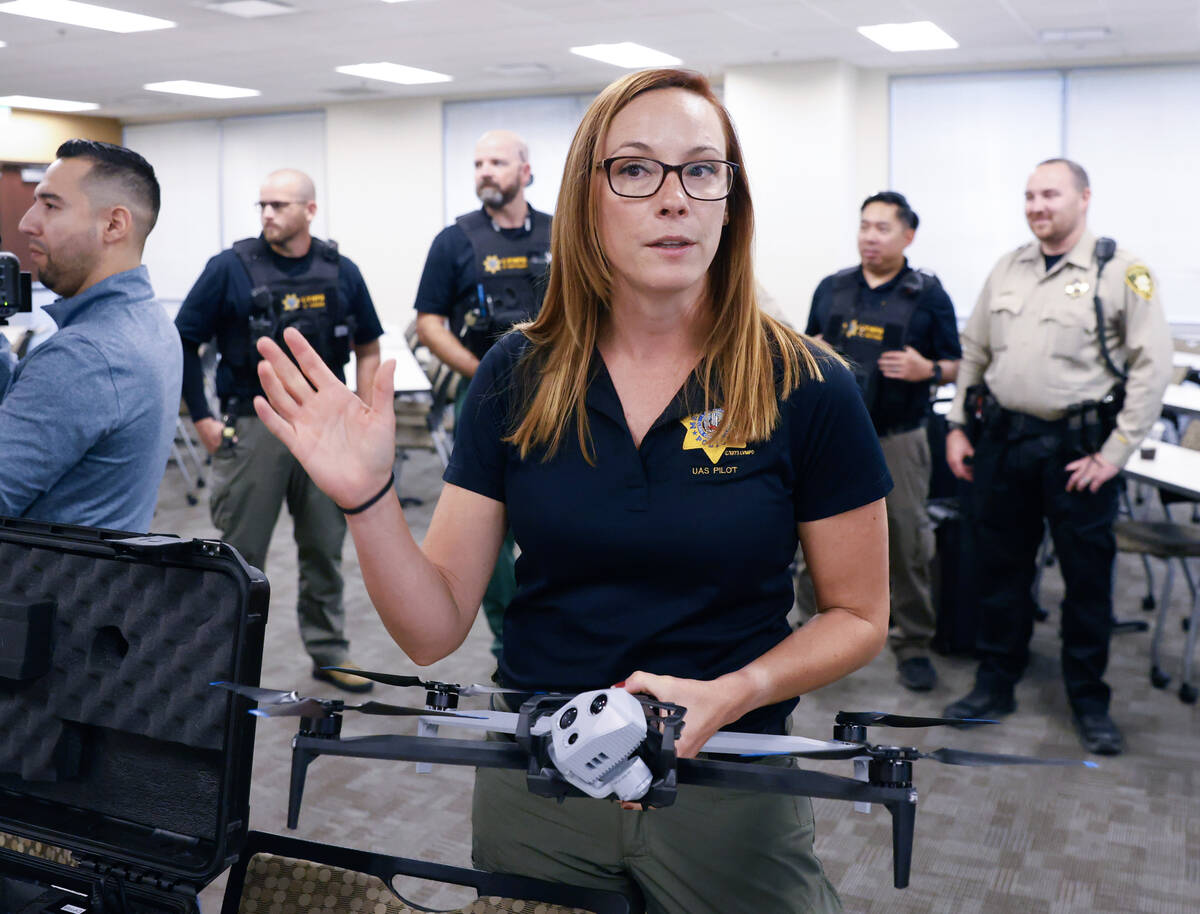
{"x":908,"y":36}
{"x":251,"y":9}
{"x":87,"y":15}
{"x":627,"y":54}
{"x":202,"y":90}
{"x":394,"y":73}
{"x":1098,"y":33}
{"x":45,"y":104}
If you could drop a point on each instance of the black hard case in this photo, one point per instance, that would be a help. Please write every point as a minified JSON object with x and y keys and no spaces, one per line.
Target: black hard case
{"x":121,"y":751}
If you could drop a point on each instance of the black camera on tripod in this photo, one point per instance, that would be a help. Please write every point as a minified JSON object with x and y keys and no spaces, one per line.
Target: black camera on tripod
{"x":16,"y":288}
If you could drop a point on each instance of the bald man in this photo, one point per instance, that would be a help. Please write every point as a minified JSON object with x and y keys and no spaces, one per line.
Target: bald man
{"x":87,"y":421}
{"x":483,"y":274}
{"x":283,"y":278}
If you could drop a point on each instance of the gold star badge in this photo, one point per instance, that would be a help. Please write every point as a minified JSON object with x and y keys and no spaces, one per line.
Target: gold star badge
{"x":1077,"y":288}
{"x":291,"y":302}
{"x":701,"y":429}
{"x":491,"y":264}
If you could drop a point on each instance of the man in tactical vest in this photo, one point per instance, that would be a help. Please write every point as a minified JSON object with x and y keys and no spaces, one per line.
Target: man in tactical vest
{"x":1065,"y":360}
{"x":896,"y":325}
{"x":483,"y":274}
{"x":260,"y":286}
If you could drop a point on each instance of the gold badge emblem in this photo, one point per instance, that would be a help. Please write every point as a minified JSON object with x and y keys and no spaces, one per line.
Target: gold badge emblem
{"x":291,"y":302}
{"x":491,"y":264}
{"x":1077,"y":288}
{"x":1138,"y":278}
{"x":701,"y":429}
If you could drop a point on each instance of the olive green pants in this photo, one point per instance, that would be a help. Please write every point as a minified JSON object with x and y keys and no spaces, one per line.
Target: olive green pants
{"x":251,"y":482}
{"x":714,"y":850}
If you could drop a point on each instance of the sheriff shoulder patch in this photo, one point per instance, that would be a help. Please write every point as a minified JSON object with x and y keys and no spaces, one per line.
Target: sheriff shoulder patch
{"x":1137,"y":277}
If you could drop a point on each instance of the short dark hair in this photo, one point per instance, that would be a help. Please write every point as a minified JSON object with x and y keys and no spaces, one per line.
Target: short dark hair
{"x":1077,"y":172}
{"x":124,"y":167}
{"x":904,"y":212}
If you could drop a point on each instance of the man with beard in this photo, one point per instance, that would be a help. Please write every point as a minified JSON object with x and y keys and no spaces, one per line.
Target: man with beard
{"x":283,"y":278}
{"x":1070,"y":339}
{"x":483,"y":274}
{"x":87,"y":421}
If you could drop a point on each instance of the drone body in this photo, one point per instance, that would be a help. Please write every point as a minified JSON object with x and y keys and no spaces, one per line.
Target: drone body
{"x":593,"y":738}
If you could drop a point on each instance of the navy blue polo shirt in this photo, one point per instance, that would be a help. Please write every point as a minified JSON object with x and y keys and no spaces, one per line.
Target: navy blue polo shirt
{"x":218,"y":305}
{"x":671,"y":557}
{"x":932,"y":331}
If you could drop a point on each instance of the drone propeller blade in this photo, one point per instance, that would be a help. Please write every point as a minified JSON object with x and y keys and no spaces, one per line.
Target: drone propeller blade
{"x":728,"y":742}
{"x":883,"y":719}
{"x":476,"y":689}
{"x":254,"y":693}
{"x":378,"y":707}
{"x":979,"y":759}
{"x":392,"y":679}
{"x":306,"y":707}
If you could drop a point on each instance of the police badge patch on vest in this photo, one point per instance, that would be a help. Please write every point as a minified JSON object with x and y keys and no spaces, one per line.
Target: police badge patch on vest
{"x":1138,"y":278}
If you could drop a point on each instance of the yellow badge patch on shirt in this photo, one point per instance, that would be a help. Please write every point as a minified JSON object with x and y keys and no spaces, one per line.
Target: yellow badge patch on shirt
{"x":701,"y":429}
{"x":1138,"y":278}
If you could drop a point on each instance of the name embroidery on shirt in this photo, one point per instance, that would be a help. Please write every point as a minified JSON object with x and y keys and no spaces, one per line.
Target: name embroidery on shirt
{"x":294,"y":302}
{"x":700,"y":429}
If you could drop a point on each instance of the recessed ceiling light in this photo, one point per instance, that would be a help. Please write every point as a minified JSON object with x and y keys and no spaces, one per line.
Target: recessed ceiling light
{"x":1098,"y":33}
{"x":202,"y":90}
{"x":394,"y":73}
{"x":45,"y":104}
{"x":250,"y":9}
{"x":908,"y":36}
{"x":88,"y":15}
{"x":519,"y":70}
{"x":627,"y":54}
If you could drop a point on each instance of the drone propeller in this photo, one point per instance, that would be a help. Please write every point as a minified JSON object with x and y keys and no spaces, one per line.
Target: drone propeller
{"x":395,"y":679}
{"x":883,"y":719}
{"x":980,"y":759}
{"x":278,"y":703}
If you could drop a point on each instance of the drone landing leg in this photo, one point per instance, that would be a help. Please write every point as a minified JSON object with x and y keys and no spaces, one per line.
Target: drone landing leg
{"x":904,"y":818}
{"x":301,"y":759}
{"x":424,"y":728}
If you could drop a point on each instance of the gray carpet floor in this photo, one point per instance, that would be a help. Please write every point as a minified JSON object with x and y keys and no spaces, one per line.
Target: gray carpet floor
{"x":1120,"y":839}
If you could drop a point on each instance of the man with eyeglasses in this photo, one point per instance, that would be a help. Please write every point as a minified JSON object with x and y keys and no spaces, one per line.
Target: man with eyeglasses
{"x":897,"y":327}
{"x":483,"y":274}
{"x":283,"y":278}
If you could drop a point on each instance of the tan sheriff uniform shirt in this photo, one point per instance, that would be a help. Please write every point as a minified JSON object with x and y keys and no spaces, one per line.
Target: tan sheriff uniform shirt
{"x":1032,"y":339}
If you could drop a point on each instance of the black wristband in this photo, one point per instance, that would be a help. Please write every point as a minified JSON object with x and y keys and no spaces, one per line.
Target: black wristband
{"x":374,"y":498}
{"x":937,"y":374}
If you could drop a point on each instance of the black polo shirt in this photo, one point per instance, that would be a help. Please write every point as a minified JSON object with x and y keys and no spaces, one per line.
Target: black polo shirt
{"x":932,"y":331}
{"x":669,"y":558}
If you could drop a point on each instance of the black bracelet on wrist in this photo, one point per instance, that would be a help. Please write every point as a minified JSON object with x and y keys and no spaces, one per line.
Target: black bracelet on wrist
{"x":374,"y":498}
{"x":937,"y":374}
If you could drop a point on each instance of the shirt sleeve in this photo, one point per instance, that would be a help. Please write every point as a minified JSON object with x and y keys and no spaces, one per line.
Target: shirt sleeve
{"x":836,"y":458}
{"x":480,"y":456}
{"x":69,"y":375}
{"x":815,"y":316}
{"x":199,"y":313}
{"x":944,"y":325}
{"x":976,"y":348}
{"x":436,"y":292}
{"x":367,"y":327}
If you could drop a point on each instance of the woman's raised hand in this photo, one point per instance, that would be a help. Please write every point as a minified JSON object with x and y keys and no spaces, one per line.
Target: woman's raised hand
{"x":347,"y":446}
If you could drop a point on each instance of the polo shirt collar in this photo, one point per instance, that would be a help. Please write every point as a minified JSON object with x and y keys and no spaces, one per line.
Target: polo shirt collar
{"x":602,"y":397}
{"x":887,"y":286}
{"x":128,"y":285}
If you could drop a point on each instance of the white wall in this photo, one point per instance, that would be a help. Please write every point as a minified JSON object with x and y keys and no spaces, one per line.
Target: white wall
{"x":385,"y":189}
{"x":814,"y":139}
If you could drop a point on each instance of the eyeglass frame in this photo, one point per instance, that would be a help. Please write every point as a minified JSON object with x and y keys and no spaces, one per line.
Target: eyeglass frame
{"x":607,"y":164}
{"x":279,"y":205}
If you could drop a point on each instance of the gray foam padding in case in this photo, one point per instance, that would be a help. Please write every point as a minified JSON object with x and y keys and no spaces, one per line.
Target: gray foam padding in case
{"x":135,"y":648}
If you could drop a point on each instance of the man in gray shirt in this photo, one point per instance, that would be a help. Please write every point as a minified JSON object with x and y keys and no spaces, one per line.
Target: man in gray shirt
{"x":87,"y":421}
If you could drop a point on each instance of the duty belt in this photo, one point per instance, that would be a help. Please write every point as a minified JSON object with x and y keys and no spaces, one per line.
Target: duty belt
{"x":1023,"y":425}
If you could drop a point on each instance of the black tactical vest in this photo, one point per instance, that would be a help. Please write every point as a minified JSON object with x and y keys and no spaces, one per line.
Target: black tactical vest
{"x":309,"y":302}
{"x":510,"y":277}
{"x":862,"y":329}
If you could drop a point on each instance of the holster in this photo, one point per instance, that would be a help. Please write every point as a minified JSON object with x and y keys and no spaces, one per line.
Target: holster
{"x":984,"y":416}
